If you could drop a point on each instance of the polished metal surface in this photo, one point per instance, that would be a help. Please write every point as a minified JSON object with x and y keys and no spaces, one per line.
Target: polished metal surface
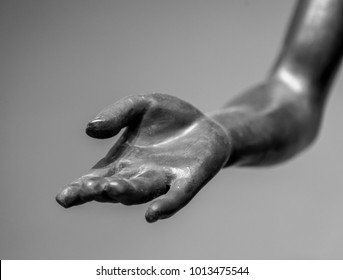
{"x":170,"y":150}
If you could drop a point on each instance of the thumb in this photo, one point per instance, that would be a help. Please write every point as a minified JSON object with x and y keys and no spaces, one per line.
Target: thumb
{"x":117,"y":116}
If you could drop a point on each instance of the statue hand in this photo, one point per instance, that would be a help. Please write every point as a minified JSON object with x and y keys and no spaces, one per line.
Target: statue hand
{"x":169,"y":151}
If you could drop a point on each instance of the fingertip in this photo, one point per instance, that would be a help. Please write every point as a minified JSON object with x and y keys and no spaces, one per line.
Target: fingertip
{"x":100,"y":129}
{"x":95,"y":124}
{"x":158,"y":210}
{"x":116,"y":116}
{"x":61,"y":200}
{"x":93,"y":127}
{"x":150,"y":219}
{"x":151,"y":215}
{"x":68,"y":197}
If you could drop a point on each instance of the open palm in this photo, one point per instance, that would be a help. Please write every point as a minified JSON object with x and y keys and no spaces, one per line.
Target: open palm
{"x":168,"y":151}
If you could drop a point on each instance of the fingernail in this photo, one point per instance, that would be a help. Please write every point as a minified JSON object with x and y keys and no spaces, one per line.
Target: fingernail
{"x":94,"y":123}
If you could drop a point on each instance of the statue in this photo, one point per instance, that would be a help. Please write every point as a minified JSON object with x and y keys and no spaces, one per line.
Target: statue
{"x":170,"y":149}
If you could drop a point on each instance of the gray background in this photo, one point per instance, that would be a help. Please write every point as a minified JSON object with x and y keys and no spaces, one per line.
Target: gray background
{"x":62,"y":61}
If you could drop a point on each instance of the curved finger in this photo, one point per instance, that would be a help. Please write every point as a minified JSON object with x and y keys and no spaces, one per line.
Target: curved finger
{"x":84,"y":190}
{"x":180,"y":193}
{"x":117,"y":116}
{"x":138,"y":189}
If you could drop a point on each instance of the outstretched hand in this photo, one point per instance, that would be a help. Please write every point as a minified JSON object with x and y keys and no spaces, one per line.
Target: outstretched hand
{"x":168,"y":152}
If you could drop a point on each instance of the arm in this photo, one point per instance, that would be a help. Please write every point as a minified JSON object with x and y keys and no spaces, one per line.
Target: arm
{"x":170,"y":150}
{"x":275,"y":120}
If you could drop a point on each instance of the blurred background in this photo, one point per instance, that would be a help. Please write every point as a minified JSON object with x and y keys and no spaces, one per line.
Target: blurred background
{"x":63,"y":61}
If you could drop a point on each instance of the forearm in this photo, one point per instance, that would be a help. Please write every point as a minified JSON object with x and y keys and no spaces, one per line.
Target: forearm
{"x":278,"y":119}
{"x":268,"y":124}
{"x":313,"y":47}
